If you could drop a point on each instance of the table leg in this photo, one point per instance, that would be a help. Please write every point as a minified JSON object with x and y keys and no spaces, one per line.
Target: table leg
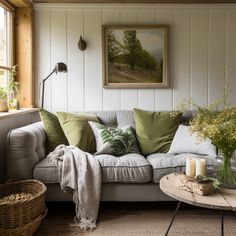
{"x":222,"y":223}
{"x":173,"y":217}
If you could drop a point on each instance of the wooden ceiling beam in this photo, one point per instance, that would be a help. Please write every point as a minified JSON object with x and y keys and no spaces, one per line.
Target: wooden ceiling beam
{"x":21,"y":3}
{"x":138,"y":1}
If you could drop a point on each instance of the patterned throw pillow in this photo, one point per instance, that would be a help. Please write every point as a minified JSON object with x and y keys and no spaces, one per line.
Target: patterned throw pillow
{"x":114,"y":141}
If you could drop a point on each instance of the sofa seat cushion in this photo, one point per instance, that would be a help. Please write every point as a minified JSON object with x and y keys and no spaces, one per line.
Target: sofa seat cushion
{"x":46,"y":171}
{"x":129,"y":168}
{"x":164,"y":164}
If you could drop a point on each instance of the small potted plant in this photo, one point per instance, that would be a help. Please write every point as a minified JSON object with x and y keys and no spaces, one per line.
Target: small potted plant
{"x":3,"y":100}
{"x":12,"y":88}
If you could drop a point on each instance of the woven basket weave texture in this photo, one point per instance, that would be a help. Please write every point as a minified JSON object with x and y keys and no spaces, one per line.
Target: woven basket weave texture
{"x":19,"y":213}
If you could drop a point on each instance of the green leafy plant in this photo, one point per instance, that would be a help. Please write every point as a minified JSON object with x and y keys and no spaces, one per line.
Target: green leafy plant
{"x":203,"y":180}
{"x":219,"y":125}
{"x":13,"y":85}
{"x":3,"y":93}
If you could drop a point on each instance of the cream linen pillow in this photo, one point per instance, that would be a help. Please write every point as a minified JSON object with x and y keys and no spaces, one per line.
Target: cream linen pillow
{"x":187,"y":142}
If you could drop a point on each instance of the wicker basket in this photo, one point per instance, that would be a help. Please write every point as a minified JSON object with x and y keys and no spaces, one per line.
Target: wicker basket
{"x":18,"y":213}
{"x":25,"y":230}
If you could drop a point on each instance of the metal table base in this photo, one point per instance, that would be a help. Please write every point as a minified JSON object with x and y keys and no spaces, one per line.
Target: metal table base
{"x":176,"y":211}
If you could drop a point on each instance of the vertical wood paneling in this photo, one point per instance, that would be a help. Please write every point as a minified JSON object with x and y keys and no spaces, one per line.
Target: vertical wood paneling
{"x":217,"y":52}
{"x":164,"y":97}
{"x":75,"y":59}
{"x":93,"y":60}
{"x":231,"y":54}
{"x":202,"y":45}
{"x":59,"y":54}
{"x":111,"y":97}
{"x":146,"y":97}
{"x":181,"y":55}
{"x":199,"y":56}
{"x":42,"y":56}
{"x":129,"y":97}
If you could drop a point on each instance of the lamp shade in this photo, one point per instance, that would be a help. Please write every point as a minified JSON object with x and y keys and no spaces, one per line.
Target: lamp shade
{"x":60,"y":67}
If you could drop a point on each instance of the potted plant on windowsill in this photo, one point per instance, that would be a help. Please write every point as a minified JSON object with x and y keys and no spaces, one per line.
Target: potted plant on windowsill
{"x":3,"y":100}
{"x":12,"y":89}
{"x":9,"y":94}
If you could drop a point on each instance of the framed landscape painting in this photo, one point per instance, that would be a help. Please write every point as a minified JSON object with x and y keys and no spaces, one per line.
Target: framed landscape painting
{"x":135,"y":56}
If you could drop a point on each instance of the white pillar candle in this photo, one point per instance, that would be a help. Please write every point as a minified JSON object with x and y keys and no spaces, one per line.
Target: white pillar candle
{"x":190,"y":167}
{"x":200,"y":167}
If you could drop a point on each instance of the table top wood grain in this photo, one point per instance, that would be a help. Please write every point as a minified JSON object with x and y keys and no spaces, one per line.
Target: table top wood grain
{"x":223,"y":199}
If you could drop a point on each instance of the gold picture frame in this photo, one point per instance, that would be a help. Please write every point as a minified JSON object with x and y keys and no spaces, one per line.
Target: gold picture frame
{"x":135,"y":56}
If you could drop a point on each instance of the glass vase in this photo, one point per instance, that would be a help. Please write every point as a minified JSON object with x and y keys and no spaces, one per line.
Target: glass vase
{"x":225,"y":169}
{"x":12,"y":100}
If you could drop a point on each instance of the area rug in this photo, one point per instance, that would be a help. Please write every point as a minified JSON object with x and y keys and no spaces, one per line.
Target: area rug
{"x":141,"y":219}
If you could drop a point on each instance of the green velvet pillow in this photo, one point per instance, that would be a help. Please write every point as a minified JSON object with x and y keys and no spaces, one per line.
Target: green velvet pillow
{"x":155,"y":130}
{"x":78,"y":131}
{"x":54,"y":133}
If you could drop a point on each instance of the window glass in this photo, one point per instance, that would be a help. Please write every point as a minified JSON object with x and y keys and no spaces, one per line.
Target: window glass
{"x":5,"y":43}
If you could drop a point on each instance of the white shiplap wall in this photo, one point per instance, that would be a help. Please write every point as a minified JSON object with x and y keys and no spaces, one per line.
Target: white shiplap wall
{"x":202,"y":46}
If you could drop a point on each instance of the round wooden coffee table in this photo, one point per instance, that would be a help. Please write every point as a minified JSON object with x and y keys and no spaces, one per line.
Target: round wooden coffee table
{"x":224,"y":199}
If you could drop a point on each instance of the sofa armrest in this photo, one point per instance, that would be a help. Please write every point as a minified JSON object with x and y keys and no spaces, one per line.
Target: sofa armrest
{"x":25,"y":148}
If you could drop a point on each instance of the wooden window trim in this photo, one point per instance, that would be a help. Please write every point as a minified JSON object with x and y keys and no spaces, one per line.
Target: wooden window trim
{"x":23,"y":48}
{"x":24,"y":54}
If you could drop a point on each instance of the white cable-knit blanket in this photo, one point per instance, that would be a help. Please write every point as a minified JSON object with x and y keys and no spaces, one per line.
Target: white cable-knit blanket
{"x":81,"y":172}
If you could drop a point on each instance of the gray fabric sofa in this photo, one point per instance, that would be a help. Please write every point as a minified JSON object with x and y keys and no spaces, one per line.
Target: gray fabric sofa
{"x":131,"y":177}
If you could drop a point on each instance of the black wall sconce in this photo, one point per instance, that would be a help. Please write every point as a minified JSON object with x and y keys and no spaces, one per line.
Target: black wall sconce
{"x":81,"y":44}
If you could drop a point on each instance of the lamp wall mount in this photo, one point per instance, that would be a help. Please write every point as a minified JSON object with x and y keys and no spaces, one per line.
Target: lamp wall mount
{"x":82,"y":44}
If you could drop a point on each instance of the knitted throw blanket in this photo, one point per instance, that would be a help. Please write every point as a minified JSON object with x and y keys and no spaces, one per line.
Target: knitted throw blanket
{"x":81,"y":172}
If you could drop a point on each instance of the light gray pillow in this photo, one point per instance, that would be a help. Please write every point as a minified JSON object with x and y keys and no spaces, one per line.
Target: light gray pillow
{"x":115,"y":141}
{"x":187,"y":142}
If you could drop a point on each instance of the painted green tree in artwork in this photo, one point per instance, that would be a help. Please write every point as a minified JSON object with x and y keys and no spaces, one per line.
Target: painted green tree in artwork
{"x":129,"y":59}
{"x":146,"y":61}
{"x":133,"y":48}
{"x":114,"y":47}
{"x":135,"y":55}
